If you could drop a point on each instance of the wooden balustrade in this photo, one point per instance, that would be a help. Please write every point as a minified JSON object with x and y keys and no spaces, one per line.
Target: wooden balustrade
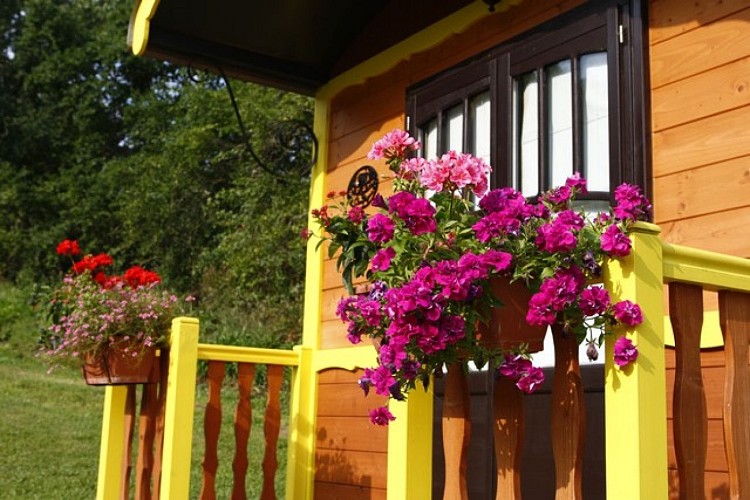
{"x":164,"y":422}
{"x":568,"y":422}
{"x":242,"y":429}
{"x":691,"y":429}
{"x":145,"y":475}
{"x":688,"y":273}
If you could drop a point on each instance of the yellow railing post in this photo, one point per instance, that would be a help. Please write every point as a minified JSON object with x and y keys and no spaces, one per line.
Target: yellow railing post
{"x":112,"y":445}
{"x":178,"y":417}
{"x":410,"y":447}
{"x":300,"y":468}
{"x":635,"y":397}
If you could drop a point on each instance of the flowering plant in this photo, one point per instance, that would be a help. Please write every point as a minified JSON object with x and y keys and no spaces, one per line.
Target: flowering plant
{"x":92,"y":311}
{"x":431,"y":249}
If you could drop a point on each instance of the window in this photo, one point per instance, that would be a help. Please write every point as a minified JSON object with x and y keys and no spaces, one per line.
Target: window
{"x":568,"y":96}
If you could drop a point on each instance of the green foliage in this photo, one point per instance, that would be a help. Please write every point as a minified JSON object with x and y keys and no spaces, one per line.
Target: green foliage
{"x":18,"y":322}
{"x":148,"y":161}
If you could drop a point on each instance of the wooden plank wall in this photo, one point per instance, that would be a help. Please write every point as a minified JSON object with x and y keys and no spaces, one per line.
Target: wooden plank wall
{"x":700,"y":80}
{"x":350,"y":452}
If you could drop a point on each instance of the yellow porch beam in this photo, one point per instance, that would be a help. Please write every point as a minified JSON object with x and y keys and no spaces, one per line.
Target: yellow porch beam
{"x":300,"y":466}
{"x":456,"y":23}
{"x":635,"y":397}
{"x":140,"y":23}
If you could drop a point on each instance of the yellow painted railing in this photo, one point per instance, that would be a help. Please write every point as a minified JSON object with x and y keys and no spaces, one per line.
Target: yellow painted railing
{"x":635,"y":397}
{"x":184,"y":353}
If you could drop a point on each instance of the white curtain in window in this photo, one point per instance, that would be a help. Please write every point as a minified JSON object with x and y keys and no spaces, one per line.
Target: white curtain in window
{"x":526,"y":96}
{"x":480,"y":109}
{"x":429,"y":140}
{"x":454,"y":119}
{"x":595,"y":120}
{"x":560,"y":122}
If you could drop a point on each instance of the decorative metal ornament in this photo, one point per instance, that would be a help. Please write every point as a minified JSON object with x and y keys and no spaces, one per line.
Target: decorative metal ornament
{"x":491,"y":4}
{"x":363,"y":186}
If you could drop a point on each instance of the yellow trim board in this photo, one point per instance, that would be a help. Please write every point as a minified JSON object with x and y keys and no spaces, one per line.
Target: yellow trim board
{"x":140,"y":23}
{"x":433,"y":35}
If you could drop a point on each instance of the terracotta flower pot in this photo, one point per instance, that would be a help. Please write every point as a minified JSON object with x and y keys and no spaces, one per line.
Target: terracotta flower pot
{"x":507,"y":326}
{"x":117,"y":367}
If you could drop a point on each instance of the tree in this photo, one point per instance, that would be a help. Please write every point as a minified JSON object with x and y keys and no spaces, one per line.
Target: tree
{"x":147,"y":161}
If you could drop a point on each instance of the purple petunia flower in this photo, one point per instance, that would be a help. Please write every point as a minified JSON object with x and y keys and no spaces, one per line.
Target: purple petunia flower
{"x":381,"y":261}
{"x":594,"y":300}
{"x":380,"y":228}
{"x":381,"y":416}
{"x":514,"y":367}
{"x":577,"y":183}
{"x":631,"y":204}
{"x":625,"y":352}
{"x":628,"y":313}
{"x":615,"y":242}
{"x":531,"y":380}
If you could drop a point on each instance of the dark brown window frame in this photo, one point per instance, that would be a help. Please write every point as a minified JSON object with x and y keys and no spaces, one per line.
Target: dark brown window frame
{"x":593,"y":25}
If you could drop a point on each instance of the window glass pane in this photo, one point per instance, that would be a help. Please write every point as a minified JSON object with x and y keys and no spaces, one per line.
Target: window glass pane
{"x":560,"y":122}
{"x":526,"y":134}
{"x":479,"y":107}
{"x":454,"y":129}
{"x":595,"y":120}
{"x":429,"y":139}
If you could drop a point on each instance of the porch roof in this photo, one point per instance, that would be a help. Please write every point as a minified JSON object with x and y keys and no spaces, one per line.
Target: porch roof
{"x":297,"y":45}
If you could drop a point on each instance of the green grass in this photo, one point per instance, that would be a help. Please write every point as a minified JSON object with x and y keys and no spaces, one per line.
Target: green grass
{"x":50,"y":424}
{"x":49,"y":435}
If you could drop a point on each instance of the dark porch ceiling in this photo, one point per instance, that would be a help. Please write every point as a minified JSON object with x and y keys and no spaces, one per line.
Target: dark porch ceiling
{"x":292,"y":44}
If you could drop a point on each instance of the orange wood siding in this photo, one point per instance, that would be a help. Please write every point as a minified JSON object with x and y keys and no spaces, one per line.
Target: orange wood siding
{"x":350,"y":452}
{"x":700,"y":80}
{"x":700,"y":99}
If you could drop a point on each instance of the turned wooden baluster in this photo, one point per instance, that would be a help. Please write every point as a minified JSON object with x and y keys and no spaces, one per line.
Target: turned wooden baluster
{"x":689,"y":407}
{"x":211,"y":428}
{"x":568,"y":417}
{"x":127,"y":461}
{"x":146,"y":431}
{"x":734,"y":316}
{"x":159,"y":429}
{"x":456,"y":432}
{"x":242,"y":422}
{"x":271,"y":431}
{"x":508,"y":432}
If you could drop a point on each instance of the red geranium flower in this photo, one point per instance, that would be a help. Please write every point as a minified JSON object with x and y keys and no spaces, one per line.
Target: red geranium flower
{"x":92,"y":263}
{"x":137,"y":276}
{"x":68,"y":247}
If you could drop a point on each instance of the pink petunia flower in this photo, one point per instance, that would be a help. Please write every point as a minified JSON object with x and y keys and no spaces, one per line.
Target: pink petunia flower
{"x":625,"y":352}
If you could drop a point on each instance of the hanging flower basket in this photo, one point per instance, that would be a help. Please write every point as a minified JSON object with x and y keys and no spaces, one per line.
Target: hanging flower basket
{"x":507,"y":328}
{"x":437,"y":250}
{"x":115,"y":366}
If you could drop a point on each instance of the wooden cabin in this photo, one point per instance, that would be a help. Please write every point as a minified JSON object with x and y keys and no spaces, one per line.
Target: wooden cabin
{"x":655,"y":93}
